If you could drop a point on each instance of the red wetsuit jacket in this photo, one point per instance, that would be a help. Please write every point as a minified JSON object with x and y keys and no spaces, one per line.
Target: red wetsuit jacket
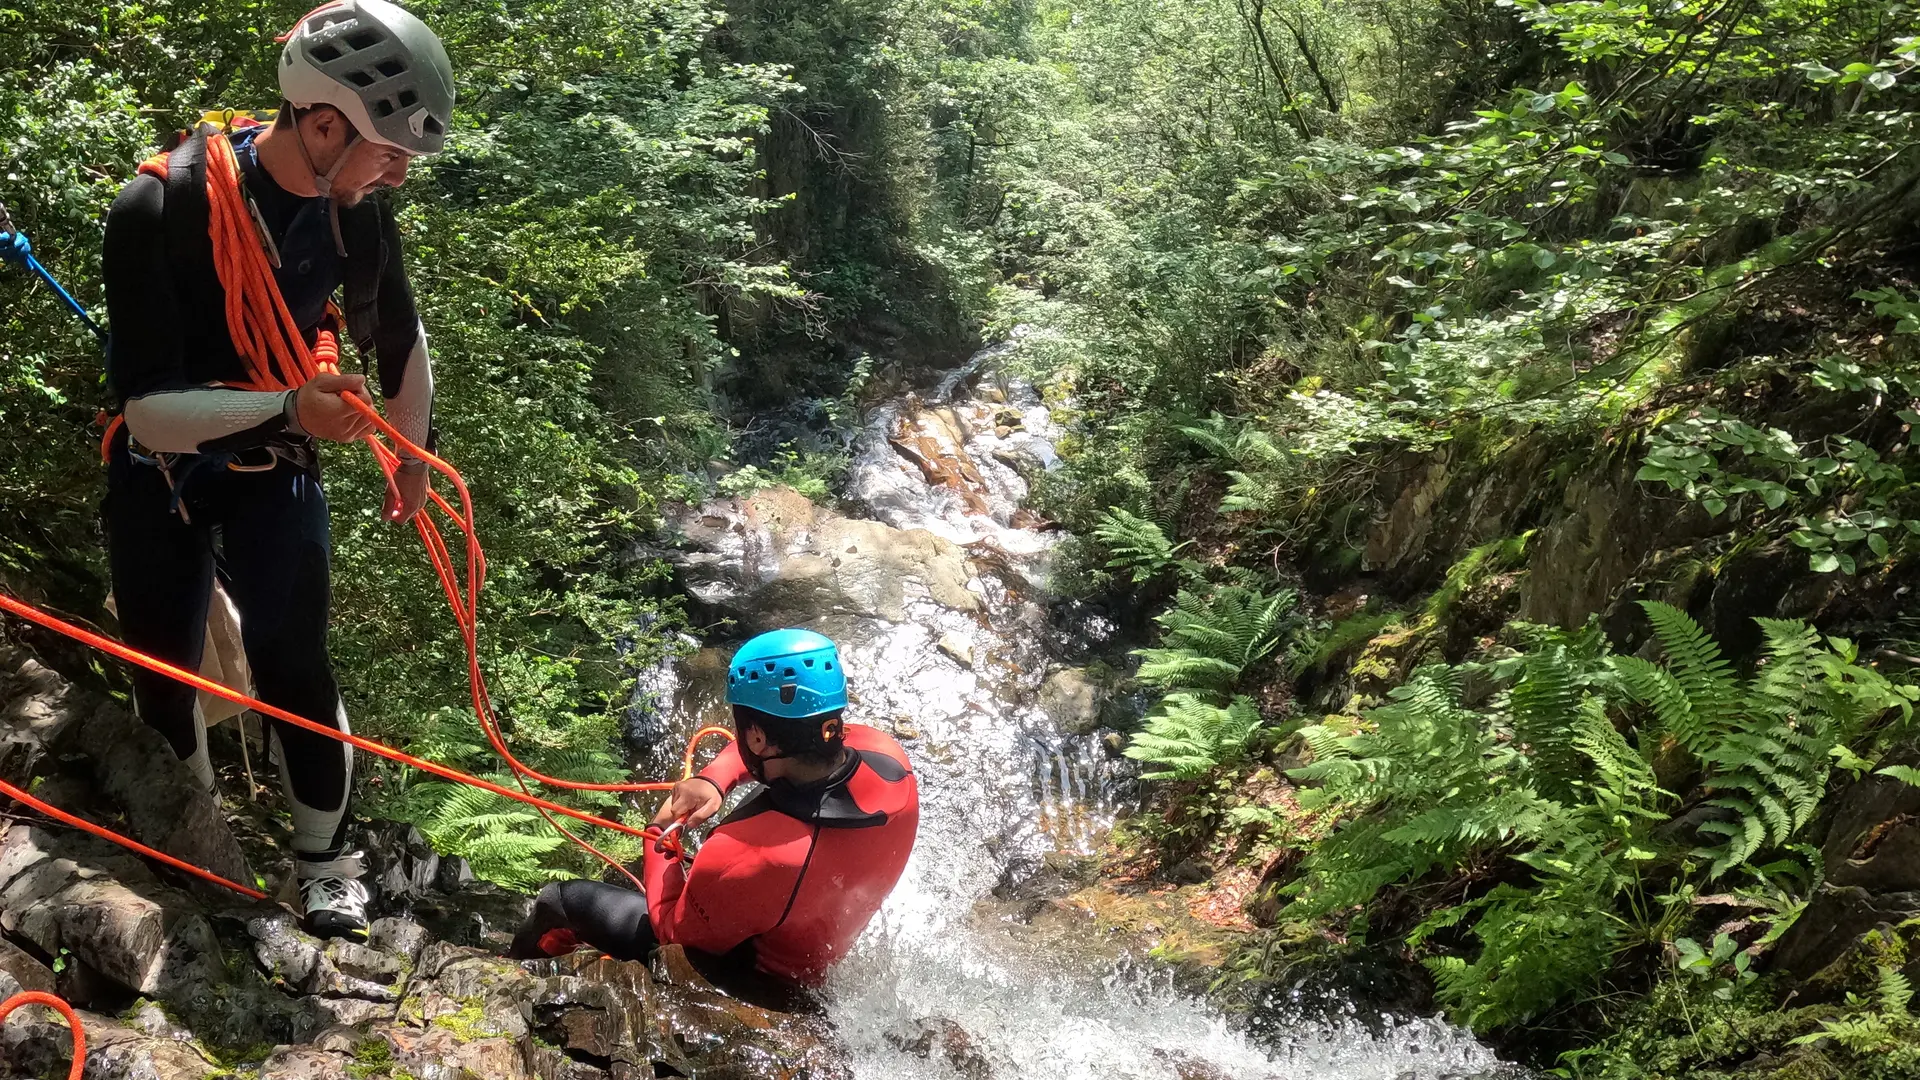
{"x":796,"y":873}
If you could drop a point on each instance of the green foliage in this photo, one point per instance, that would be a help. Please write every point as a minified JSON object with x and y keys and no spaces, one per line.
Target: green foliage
{"x":1851,"y":502}
{"x":1188,"y":738}
{"x":1888,"y":1029}
{"x":1138,"y":545}
{"x":1547,"y":777}
{"x":1767,"y":746}
{"x":1210,"y":639}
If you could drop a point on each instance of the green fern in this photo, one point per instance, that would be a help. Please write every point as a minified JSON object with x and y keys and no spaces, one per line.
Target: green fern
{"x":1695,"y":697}
{"x":1208,"y":641}
{"x":1768,"y":745}
{"x":1139,"y":546}
{"x":1189,"y":738}
{"x":1887,"y":1028}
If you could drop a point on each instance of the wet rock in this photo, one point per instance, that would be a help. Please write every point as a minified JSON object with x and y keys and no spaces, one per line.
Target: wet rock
{"x":957,"y":647}
{"x":310,"y":966}
{"x":789,"y":562}
{"x":922,"y":1037}
{"x":1190,"y":872}
{"x":306,"y":1063}
{"x":26,"y":972}
{"x":399,"y":937}
{"x":35,"y":1042}
{"x":1072,"y":701}
{"x":481,"y":915}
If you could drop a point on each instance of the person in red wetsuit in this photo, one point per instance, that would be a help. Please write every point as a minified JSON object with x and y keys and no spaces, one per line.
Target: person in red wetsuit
{"x":792,"y":876}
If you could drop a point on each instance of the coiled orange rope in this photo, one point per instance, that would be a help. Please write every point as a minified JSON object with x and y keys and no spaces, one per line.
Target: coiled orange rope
{"x":35,"y":997}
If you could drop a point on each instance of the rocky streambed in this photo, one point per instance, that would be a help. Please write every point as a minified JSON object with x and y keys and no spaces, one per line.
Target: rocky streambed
{"x":1002,"y":953}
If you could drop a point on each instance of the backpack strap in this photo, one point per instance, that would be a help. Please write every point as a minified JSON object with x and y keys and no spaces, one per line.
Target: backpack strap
{"x":187,"y":212}
{"x":362,"y":229}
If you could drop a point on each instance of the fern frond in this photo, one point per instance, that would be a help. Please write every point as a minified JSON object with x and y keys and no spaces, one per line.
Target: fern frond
{"x":1138,"y":545}
{"x":1189,"y":738}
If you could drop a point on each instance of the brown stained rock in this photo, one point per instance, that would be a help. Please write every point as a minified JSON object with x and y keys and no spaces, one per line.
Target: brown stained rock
{"x":1874,"y":841}
{"x":1839,"y":940}
{"x":26,"y":972}
{"x":1072,"y":700}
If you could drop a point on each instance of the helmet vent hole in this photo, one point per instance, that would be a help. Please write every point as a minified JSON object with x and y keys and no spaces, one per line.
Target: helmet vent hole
{"x":360,"y":78}
{"x":324,"y":54}
{"x":753,"y":676}
{"x":808,"y":661}
{"x":829,"y":665}
{"x":390,"y":68}
{"x":432,"y":126}
{"x":787,"y":693}
{"x":408,"y":99}
{"x":365,"y":39}
{"x":383,"y":107}
{"x":771,"y":665}
{"x":789,"y":673}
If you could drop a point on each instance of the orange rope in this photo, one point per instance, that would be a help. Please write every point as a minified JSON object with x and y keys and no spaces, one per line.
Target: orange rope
{"x":35,"y":997}
{"x":62,"y":816}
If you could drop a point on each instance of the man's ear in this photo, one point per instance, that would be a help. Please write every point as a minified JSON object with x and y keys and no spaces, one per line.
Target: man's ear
{"x":327,"y":125}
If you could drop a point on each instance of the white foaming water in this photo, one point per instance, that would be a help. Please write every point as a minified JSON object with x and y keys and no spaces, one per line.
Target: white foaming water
{"x":998,"y":784}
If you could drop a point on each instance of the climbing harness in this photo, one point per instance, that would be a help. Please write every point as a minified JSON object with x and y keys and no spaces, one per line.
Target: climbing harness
{"x":277,"y":358}
{"x":35,"y":997}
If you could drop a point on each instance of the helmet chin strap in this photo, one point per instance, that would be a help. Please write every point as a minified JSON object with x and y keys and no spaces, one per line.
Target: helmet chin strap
{"x":323,"y":183}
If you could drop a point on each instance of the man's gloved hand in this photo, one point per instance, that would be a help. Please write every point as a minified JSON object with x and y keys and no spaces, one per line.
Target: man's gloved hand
{"x":692,"y":800}
{"x":321,"y":409}
{"x":409,"y":492}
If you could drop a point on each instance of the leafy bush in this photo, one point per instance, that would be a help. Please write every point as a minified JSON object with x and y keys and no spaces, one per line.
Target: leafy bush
{"x":1545,"y":777}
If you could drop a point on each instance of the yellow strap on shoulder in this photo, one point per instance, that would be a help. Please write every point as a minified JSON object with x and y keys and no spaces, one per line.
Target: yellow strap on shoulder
{"x":224,"y":118}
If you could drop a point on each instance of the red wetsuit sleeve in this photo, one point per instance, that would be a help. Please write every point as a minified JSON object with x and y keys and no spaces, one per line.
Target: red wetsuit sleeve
{"x":726,"y":769}
{"x":735,"y":891}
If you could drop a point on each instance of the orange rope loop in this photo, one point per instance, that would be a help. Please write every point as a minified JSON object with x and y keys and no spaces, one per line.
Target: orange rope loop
{"x":35,"y":997}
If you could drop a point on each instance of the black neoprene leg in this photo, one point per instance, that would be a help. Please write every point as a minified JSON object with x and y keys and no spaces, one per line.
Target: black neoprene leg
{"x":162,"y":581}
{"x":607,"y":917}
{"x":274,"y":560}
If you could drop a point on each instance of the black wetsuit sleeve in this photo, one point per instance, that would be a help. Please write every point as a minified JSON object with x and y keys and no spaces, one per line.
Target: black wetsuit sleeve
{"x":400,"y":343}
{"x":146,"y":364}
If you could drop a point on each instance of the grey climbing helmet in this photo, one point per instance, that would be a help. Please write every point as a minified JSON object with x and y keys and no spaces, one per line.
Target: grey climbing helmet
{"x":380,"y":66}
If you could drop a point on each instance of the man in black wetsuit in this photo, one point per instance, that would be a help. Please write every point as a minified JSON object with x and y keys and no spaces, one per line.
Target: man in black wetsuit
{"x":208,"y":480}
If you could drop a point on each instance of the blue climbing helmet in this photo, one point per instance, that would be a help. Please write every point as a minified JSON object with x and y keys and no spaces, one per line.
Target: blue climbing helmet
{"x":788,"y":673}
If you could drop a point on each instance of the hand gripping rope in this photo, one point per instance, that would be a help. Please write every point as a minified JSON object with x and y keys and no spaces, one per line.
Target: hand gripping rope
{"x":278,"y":359}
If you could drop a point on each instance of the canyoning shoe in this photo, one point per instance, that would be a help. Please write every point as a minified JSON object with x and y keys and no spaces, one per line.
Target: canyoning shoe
{"x":333,"y":896}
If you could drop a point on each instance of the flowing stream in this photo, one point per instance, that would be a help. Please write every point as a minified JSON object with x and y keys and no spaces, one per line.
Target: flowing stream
{"x":947,"y":646}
